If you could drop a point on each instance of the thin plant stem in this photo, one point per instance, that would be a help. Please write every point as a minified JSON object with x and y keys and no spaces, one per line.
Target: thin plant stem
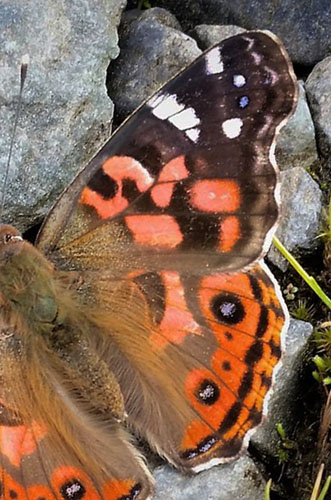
{"x":267,"y":490}
{"x":24,"y":68}
{"x":308,"y":279}
{"x":317,"y":483}
{"x":325,"y":488}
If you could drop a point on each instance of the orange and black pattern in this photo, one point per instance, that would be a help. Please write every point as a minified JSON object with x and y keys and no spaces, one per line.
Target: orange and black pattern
{"x":159,"y":244}
{"x":231,"y":324}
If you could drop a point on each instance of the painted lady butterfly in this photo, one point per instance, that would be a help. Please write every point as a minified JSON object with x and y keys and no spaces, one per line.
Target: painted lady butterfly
{"x":145,"y":303}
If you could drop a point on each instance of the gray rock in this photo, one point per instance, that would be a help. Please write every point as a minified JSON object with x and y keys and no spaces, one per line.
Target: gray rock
{"x":161,"y":15}
{"x":296,"y":144}
{"x":318,"y":86}
{"x":208,"y":35}
{"x":285,"y":399}
{"x":66,"y":113}
{"x":303,"y":26}
{"x":301,"y":213}
{"x":240,"y":480}
{"x":151,"y":53}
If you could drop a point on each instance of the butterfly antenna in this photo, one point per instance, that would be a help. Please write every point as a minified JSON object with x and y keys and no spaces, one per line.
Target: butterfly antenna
{"x":24,"y":69}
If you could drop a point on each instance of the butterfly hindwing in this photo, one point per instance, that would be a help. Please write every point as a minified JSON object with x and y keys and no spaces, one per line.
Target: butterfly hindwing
{"x":52,"y":446}
{"x":195,"y":375}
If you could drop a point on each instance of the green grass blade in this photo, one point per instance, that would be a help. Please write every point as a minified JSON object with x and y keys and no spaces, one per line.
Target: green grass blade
{"x":325,"y":488}
{"x":304,"y":275}
{"x":267,"y":490}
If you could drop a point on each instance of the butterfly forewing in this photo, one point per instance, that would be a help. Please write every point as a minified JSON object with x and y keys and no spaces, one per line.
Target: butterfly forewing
{"x":191,"y":173}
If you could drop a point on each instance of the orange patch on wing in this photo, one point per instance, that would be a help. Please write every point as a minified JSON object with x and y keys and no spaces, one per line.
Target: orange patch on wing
{"x":118,"y":168}
{"x":230,"y":232}
{"x":177,"y":321}
{"x":233,"y":376}
{"x":16,"y":442}
{"x":171,"y":173}
{"x":104,"y":208}
{"x":116,"y":489}
{"x":161,"y":194}
{"x":174,"y":170}
{"x":196,"y":431}
{"x":10,"y":489}
{"x":125,"y":167}
{"x":216,"y":195}
{"x":64,"y":475}
{"x":212,"y":414}
{"x":236,"y":340}
{"x":155,"y":230}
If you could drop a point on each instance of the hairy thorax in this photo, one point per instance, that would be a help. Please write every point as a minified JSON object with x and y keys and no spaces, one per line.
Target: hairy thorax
{"x":43,"y":316}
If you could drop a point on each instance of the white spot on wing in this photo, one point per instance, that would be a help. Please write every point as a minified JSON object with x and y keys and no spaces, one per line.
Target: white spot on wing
{"x":232,"y":127}
{"x":193,"y":134}
{"x":214,"y":64}
{"x":168,"y":106}
{"x":239,"y":81}
{"x":185,"y":119}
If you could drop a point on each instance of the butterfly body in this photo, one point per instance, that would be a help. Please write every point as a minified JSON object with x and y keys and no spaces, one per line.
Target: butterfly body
{"x":145,"y":302}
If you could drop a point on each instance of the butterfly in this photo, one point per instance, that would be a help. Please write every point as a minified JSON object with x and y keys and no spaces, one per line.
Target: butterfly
{"x":145,"y":304}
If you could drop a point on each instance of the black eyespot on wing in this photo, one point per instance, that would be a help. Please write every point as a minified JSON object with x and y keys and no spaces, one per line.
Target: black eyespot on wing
{"x":73,"y":490}
{"x":207,"y":392}
{"x":227,"y":308}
